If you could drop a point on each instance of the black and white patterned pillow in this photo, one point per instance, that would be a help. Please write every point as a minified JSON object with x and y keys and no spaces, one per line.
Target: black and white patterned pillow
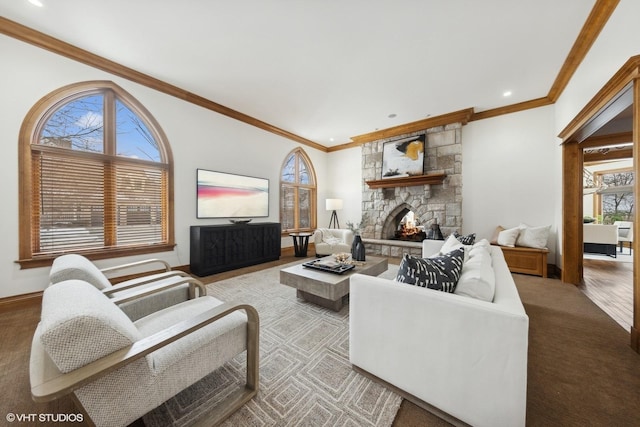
{"x":469,"y":239}
{"x":440,"y":273}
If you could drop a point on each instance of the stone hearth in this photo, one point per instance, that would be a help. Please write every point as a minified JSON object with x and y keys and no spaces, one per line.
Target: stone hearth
{"x":429,"y":202}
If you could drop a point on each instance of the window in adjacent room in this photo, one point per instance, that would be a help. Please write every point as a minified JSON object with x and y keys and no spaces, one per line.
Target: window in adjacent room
{"x":95,"y":177}
{"x":297,"y":193}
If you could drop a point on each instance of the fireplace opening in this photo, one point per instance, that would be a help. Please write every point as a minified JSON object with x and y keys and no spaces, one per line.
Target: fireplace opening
{"x":408,"y":229}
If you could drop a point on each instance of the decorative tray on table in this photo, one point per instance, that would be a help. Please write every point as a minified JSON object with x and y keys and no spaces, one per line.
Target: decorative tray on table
{"x":329,"y":266}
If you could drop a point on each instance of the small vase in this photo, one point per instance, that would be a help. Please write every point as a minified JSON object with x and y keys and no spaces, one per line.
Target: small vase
{"x":357,"y":249}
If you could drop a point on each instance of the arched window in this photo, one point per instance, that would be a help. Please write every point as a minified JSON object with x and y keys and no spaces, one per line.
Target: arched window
{"x":96,"y":176}
{"x":297,"y":192}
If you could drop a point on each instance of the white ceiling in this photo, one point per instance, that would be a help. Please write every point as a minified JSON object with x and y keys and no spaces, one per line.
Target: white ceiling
{"x":326,"y":69}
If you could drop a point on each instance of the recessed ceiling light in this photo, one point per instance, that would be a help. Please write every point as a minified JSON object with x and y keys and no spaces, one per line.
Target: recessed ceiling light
{"x":392,"y":115}
{"x":507,"y":93}
{"x":331,"y":139}
{"x":36,"y":3}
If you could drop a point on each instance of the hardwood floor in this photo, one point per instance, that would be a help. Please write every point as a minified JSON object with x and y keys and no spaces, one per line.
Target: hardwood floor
{"x":609,"y":284}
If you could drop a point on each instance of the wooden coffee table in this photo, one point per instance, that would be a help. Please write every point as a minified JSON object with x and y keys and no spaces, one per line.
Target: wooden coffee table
{"x":328,"y":289}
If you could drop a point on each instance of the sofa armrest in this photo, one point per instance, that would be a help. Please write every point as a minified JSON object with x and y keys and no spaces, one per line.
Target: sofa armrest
{"x":464,"y":356}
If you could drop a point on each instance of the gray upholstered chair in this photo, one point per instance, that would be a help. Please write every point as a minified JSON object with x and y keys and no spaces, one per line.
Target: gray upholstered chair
{"x":118,"y":369}
{"x":329,"y":241}
{"x":127,"y":293}
{"x":625,"y":234}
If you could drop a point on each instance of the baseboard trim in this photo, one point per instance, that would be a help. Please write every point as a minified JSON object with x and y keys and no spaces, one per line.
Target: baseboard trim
{"x":411,"y":398}
{"x":19,"y":302}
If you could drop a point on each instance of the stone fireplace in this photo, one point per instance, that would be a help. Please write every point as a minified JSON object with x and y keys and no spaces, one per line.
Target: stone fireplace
{"x":386,"y":209}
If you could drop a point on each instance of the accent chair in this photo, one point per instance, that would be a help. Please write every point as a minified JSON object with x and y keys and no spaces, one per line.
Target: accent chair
{"x":329,"y":241}
{"x":118,"y":369}
{"x":156,"y":295}
{"x":625,"y":234}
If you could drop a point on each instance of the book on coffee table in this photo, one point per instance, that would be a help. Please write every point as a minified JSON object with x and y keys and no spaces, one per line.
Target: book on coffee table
{"x":329,"y":266}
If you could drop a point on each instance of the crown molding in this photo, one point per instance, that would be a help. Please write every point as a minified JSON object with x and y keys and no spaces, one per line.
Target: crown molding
{"x":59,"y":47}
{"x":597,"y":19}
{"x":629,"y":72}
{"x":461,"y":116}
{"x":513,"y":108}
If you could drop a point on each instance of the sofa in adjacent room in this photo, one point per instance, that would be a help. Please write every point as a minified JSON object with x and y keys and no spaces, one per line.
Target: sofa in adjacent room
{"x":600,"y":239}
{"x":462,"y":355}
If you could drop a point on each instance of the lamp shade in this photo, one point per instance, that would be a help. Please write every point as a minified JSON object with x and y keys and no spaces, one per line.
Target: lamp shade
{"x":334,"y":204}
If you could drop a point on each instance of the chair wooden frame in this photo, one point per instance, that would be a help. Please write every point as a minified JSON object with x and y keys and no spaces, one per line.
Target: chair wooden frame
{"x":152,"y":289}
{"x":144,"y":280}
{"x":66,"y":383}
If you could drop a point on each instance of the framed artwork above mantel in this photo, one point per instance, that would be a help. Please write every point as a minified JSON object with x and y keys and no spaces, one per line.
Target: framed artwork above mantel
{"x":403,"y":157}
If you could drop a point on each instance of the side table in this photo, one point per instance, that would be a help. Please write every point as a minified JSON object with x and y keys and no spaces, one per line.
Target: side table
{"x":300,"y":243}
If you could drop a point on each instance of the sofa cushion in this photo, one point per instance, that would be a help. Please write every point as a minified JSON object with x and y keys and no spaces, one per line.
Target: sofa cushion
{"x":79,"y":324}
{"x":477,"y":279}
{"x":440,"y":273}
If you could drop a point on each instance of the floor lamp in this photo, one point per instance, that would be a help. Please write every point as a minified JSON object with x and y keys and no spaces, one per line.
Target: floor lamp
{"x":334,"y":205}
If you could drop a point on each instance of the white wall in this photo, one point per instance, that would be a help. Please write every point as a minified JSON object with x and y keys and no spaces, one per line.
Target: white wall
{"x":508,"y":173}
{"x":344,"y":181}
{"x":199,"y":138}
{"x":618,"y":41}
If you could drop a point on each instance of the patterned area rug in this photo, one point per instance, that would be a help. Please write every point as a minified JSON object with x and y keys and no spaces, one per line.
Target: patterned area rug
{"x":305,"y":375}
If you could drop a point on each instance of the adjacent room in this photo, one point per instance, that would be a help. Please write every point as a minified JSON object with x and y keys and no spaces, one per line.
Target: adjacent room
{"x":354,"y":213}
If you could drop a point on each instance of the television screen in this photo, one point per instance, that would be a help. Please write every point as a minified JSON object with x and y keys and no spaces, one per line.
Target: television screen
{"x":226,"y":195}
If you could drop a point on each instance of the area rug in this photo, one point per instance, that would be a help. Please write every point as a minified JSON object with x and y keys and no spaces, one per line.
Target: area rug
{"x":305,"y":375}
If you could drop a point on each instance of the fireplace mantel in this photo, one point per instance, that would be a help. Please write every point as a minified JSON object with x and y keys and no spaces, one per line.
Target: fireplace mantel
{"x":407,"y":181}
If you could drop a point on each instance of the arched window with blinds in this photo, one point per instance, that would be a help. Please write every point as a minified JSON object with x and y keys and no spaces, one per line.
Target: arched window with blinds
{"x":99,"y":176}
{"x":297,"y":193}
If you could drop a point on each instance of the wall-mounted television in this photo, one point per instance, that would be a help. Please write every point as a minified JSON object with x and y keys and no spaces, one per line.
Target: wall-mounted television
{"x":227,"y":195}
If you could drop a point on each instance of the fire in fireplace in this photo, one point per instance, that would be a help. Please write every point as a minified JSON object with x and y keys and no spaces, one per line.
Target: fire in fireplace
{"x":408,"y":229}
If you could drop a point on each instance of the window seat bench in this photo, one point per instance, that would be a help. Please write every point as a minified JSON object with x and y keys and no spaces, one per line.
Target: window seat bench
{"x":526,"y":260}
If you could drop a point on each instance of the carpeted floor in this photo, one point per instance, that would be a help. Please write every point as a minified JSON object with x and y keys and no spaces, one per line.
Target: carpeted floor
{"x":581,"y":371}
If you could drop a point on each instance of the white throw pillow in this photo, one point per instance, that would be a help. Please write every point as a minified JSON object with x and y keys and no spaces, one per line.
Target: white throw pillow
{"x":508,"y":237}
{"x":451,"y":244}
{"x":533,"y":237}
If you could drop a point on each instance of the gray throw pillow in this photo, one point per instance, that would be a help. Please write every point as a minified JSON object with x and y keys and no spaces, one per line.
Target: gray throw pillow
{"x":440,"y":273}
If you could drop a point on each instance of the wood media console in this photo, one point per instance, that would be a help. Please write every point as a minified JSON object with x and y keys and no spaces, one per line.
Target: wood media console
{"x":218,"y":248}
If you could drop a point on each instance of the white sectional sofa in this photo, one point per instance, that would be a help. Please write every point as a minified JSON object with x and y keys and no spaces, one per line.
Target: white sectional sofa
{"x":463,"y":358}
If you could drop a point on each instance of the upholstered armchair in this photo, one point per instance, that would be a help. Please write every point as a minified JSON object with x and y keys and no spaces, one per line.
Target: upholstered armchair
{"x":127,"y":294}
{"x":625,"y":234}
{"x":118,"y":370}
{"x":329,"y":241}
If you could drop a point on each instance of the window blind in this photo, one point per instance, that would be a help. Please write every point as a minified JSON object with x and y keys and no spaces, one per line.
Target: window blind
{"x":91,"y":203}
